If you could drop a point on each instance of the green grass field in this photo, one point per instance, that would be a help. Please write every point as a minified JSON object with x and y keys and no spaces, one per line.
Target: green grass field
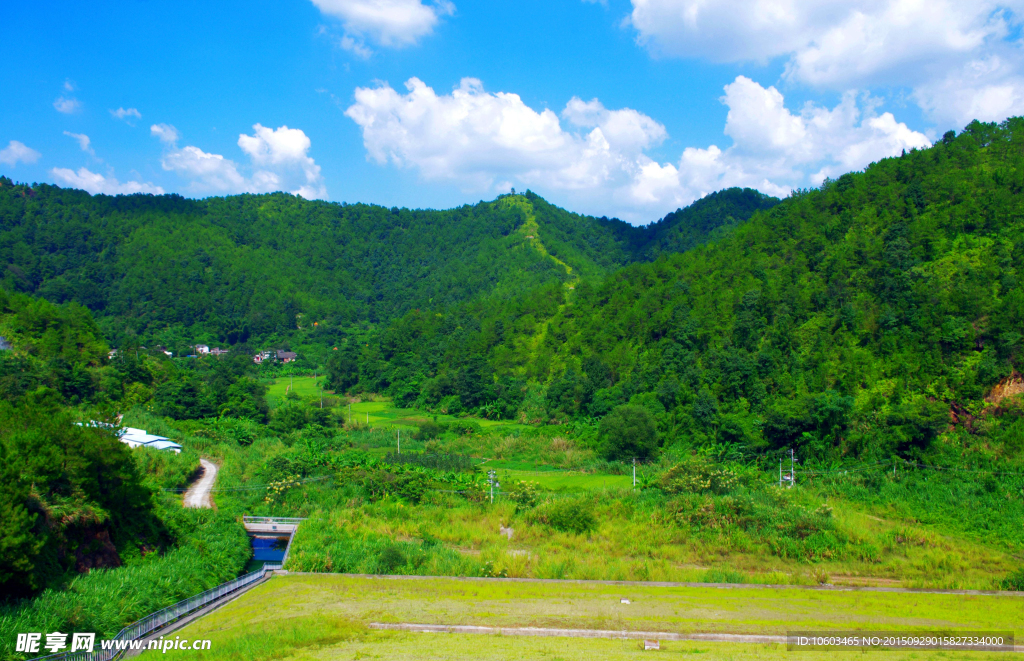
{"x":306,"y":387}
{"x":566,"y":480}
{"x":377,"y":411}
{"x":326,"y":617}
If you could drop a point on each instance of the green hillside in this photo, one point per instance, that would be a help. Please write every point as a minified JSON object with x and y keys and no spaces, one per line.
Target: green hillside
{"x":860,"y":319}
{"x":228,"y":270}
{"x":708,"y":219}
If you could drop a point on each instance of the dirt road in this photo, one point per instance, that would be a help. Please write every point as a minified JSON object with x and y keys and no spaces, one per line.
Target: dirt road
{"x":198,"y":495}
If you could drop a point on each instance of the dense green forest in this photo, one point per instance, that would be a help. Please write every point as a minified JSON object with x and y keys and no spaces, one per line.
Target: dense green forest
{"x":860,"y":319}
{"x":257,"y":268}
{"x":86,"y":526}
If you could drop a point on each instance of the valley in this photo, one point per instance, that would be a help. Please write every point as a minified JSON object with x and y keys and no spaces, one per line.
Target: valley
{"x":818,"y":395}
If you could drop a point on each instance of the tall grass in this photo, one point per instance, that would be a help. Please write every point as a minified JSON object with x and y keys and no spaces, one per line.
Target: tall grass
{"x":324,"y":544}
{"x":277,"y":639}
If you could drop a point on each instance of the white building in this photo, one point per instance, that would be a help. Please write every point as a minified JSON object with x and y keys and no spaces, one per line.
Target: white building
{"x":135,"y":438}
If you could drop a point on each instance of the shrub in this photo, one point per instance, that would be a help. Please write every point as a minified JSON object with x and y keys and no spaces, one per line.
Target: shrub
{"x":523,"y":494}
{"x":451,"y":405}
{"x":571,"y":516}
{"x":627,"y":432}
{"x":409,"y":486}
{"x":465,"y":427}
{"x":698,"y":475}
{"x":788,"y":530}
{"x":391,"y":558}
{"x":428,"y":430}
{"x":1014,"y":581}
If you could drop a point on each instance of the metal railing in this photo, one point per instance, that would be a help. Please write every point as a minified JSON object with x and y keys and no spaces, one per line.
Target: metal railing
{"x":154,"y":621}
{"x":273,"y":519}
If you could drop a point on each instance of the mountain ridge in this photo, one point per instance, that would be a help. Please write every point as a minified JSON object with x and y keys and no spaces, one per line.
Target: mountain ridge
{"x":261,"y":265}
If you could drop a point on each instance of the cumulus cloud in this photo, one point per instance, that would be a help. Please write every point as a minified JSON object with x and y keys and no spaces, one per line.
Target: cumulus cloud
{"x":96,"y":183}
{"x":477,"y":138}
{"x":387,"y":23}
{"x":127,"y":115}
{"x":988,"y":89}
{"x":67,"y":105}
{"x":83,"y":142}
{"x":17,"y":151}
{"x":598,"y":158}
{"x":860,"y":43}
{"x":279,"y":160}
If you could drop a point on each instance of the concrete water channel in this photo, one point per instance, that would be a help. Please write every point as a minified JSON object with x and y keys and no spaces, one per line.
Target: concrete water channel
{"x":271,"y":539}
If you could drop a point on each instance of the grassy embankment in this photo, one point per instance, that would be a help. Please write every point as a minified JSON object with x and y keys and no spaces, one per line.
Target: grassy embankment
{"x":326,"y":617}
{"x":901,"y":531}
{"x":635,"y":536}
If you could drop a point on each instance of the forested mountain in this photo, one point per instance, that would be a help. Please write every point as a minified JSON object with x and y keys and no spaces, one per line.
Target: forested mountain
{"x":707,"y":219}
{"x":880,"y":315}
{"x":862,"y":318}
{"x":252,"y":266}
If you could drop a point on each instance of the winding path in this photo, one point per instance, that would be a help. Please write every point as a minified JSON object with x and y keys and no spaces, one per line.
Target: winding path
{"x":198,"y":495}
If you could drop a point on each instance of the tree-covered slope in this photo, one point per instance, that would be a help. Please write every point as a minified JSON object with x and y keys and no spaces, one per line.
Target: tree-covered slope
{"x":252,"y":264}
{"x":707,"y":219}
{"x":249,"y":266}
{"x":864,"y":318}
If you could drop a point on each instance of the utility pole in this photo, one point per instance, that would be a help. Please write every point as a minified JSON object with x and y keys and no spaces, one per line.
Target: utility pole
{"x":634,"y":472}
{"x":490,"y":479}
{"x":780,"y":472}
{"x":792,"y":469}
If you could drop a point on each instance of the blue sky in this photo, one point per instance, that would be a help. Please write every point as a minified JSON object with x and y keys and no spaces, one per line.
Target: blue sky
{"x":622,"y":108}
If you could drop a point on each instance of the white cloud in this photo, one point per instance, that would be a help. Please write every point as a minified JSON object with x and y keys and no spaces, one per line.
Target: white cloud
{"x":278,"y":157}
{"x":67,"y":105}
{"x":17,"y":151}
{"x":167,"y":133}
{"x":387,"y":23}
{"x":69,"y":85}
{"x":283,"y":153}
{"x":828,"y":43}
{"x":355,"y":46}
{"x":128,"y":115}
{"x":961,"y":59}
{"x":83,"y":141}
{"x":210,"y":173}
{"x":598,"y":161}
{"x":987,"y":89}
{"x":97,"y":183}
